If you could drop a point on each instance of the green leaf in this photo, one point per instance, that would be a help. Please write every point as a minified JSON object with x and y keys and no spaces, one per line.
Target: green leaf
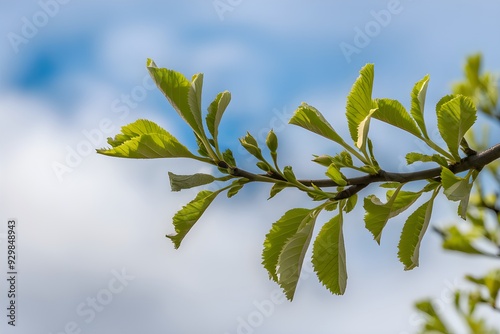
{"x":144,"y":139}
{"x":417,"y":103}
{"x":329,"y":258}
{"x":455,"y":117}
{"x":413,"y":157}
{"x":194,"y":100}
{"x":228,"y":157}
{"x":289,"y":174}
{"x":394,"y":113}
{"x":351,"y":203}
{"x":324,"y":160}
{"x":179,"y":182}
{"x":413,"y":233}
{"x":186,"y":217}
{"x":378,"y":213}
{"x":236,"y":187}
{"x":292,"y":254}
{"x":276,"y":188}
{"x":202,"y":150}
{"x":343,"y":159}
{"x":335,"y":175}
{"x":359,"y":101}
{"x":281,"y":231}
{"x":311,"y":119}
{"x":215,"y":112}
{"x":176,"y":89}
{"x":251,"y":145}
{"x":363,"y":129}
{"x":456,"y":189}
{"x":263,"y":166}
{"x":433,"y":324}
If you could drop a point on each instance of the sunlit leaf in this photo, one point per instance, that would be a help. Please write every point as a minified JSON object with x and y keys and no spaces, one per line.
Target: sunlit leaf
{"x":359,"y":101}
{"x":455,"y":117}
{"x":282,"y":230}
{"x":215,"y":112}
{"x":378,"y":213}
{"x":292,"y":254}
{"x":311,"y":119}
{"x":413,"y":233}
{"x":413,"y":157}
{"x":417,"y":103}
{"x":329,"y":258}
{"x":394,"y":113}
{"x":456,"y":189}
{"x":144,"y":139}
{"x":335,"y":175}
{"x":176,"y":89}
{"x":186,"y":217}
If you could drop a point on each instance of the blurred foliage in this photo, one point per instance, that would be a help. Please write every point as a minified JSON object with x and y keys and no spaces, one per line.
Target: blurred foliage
{"x":479,"y":234}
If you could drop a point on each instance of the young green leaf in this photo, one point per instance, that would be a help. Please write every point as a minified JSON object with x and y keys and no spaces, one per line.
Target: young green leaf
{"x":311,"y":119}
{"x":359,"y":101}
{"x":329,"y":258}
{"x":281,"y":231}
{"x":456,"y":189}
{"x":378,"y":213}
{"x":289,"y":174}
{"x":144,"y":139}
{"x":394,"y":113}
{"x":363,"y":129}
{"x":417,"y":103}
{"x":194,"y":100}
{"x":272,"y":141}
{"x":176,"y":89}
{"x":413,"y":233}
{"x":292,"y":254}
{"x":276,"y":188}
{"x":229,"y":158}
{"x":251,"y":145}
{"x":179,"y":182}
{"x":413,"y":157}
{"x":455,"y":117}
{"x":335,"y":175}
{"x":186,"y":217}
{"x":215,"y":112}
{"x":236,"y":187}
{"x":351,"y":203}
{"x":202,"y":150}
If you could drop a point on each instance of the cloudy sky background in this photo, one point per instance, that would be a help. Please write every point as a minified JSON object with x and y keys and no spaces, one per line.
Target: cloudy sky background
{"x":83,"y":72}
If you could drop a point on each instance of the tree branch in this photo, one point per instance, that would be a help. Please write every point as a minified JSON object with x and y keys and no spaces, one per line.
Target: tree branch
{"x":477,"y":161}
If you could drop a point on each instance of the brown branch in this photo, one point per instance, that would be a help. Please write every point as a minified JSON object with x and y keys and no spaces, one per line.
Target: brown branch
{"x":477,"y":161}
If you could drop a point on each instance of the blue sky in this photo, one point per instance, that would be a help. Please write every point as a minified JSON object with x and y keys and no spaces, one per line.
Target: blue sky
{"x":73,"y":72}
